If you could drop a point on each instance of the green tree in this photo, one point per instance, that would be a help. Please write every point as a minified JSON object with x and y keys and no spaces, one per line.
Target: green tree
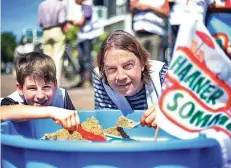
{"x":8,"y":44}
{"x":98,"y":41}
{"x":71,"y":34}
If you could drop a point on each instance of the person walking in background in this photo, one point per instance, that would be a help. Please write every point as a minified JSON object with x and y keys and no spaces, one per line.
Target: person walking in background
{"x":149,"y":23}
{"x":51,"y":18}
{"x":84,"y":39}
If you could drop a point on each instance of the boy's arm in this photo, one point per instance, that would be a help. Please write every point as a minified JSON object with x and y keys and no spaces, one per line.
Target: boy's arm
{"x":69,"y":119}
{"x":20,"y":112}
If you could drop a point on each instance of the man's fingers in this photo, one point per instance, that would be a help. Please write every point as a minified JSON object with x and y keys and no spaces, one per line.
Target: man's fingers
{"x":146,"y":114}
{"x":154,"y":125}
{"x":149,"y":120}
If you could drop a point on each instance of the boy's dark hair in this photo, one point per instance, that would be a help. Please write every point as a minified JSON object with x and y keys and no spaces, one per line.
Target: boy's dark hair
{"x":123,"y":40}
{"x":37,"y":65}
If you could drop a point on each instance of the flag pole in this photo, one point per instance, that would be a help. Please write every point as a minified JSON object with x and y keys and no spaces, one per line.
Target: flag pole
{"x":156,"y":133}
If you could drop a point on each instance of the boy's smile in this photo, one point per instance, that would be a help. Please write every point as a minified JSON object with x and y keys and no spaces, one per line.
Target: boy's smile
{"x":36,"y":92}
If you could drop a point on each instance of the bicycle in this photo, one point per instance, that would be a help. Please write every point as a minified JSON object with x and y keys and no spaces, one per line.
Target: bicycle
{"x":70,"y":66}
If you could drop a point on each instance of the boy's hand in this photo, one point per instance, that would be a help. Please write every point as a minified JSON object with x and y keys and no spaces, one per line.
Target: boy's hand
{"x":69,"y":119}
{"x":148,"y":117}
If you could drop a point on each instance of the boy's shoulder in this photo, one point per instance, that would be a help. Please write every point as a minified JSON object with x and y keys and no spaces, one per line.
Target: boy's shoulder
{"x":60,"y":92}
{"x":59,"y":97}
{"x":13,"y":98}
{"x":62,"y":99}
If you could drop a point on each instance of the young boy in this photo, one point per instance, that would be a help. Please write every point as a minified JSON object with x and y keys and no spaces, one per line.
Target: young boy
{"x":37,"y":86}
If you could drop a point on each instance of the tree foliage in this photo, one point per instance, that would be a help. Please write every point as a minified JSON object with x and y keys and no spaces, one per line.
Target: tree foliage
{"x":71,"y":34}
{"x":96,"y":43}
{"x":8,"y":44}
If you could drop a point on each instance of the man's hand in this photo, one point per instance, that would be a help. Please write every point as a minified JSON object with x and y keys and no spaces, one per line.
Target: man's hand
{"x":148,"y":117}
{"x":69,"y":119}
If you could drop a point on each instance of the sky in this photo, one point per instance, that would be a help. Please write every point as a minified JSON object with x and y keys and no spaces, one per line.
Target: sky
{"x":19,"y":14}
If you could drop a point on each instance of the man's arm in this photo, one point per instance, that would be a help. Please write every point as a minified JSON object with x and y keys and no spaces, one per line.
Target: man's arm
{"x":80,"y":22}
{"x":87,"y":13}
{"x":164,"y":10}
{"x":69,"y":119}
{"x":132,"y":5}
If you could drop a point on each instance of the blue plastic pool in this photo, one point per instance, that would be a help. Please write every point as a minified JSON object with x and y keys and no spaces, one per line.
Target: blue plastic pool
{"x":22,"y":147}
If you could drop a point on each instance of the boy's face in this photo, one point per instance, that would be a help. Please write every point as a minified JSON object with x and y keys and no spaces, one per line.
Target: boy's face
{"x":36,"y":92}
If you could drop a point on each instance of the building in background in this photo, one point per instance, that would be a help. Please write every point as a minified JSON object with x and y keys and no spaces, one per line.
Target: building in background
{"x":113,"y":13}
{"x":118,"y":16}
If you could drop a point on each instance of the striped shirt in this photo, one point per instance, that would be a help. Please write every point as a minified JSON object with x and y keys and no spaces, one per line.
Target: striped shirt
{"x":137,"y":101}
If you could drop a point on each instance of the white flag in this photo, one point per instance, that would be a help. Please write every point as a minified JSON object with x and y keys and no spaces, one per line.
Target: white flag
{"x":196,"y":95}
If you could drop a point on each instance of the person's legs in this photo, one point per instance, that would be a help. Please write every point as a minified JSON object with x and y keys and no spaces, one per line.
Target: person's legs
{"x":80,"y":49}
{"x":154,"y":46}
{"x":54,"y":46}
{"x":59,"y":48}
{"x":85,"y":63}
{"x":88,"y":62}
{"x":142,"y":41}
{"x":47,"y":45}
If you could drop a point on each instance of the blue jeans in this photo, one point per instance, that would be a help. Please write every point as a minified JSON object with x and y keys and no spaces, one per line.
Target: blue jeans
{"x":85,"y":58}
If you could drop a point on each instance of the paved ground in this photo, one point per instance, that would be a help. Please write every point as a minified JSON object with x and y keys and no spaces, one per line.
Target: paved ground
{"x":82,"y":98}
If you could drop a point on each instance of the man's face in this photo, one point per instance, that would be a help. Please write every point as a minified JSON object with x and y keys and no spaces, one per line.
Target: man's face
{"x":123,"y":71}
{"x":36,"y":92}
